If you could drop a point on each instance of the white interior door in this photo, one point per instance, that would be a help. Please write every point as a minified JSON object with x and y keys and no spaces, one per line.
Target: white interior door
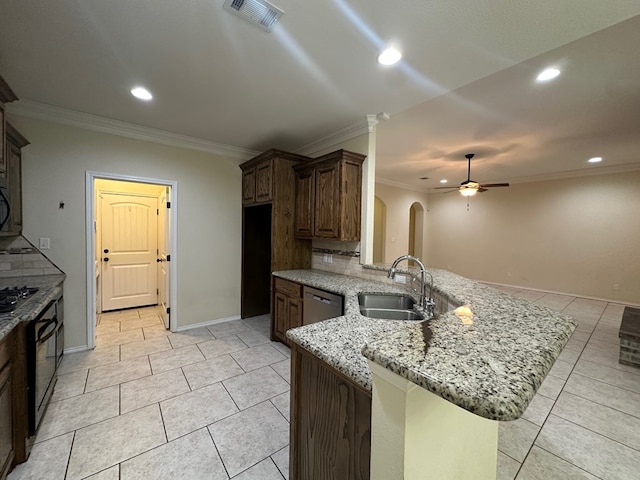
{"x":129,"y":226}
{"x":164,"y":242}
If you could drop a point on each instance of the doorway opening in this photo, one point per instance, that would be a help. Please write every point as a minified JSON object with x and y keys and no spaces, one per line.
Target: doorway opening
{"x":416,"y":230}
{"x":379,"y":229}
{"x":256,"y":261}
{"x":131,"y":239}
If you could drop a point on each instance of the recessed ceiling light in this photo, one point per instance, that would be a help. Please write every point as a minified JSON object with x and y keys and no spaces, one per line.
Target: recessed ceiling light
{"x":389,"y":56}
{"x":548,"y":74}
{"x":595,"y":160}
{"x":141,"y":93}
{"x":443,"y":181}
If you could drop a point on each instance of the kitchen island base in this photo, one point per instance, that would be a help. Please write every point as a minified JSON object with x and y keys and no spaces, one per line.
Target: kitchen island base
{"x":416,"y":434}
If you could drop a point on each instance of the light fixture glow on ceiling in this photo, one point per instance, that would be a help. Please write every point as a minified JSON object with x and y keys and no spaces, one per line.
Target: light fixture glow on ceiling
{"x":443,"y":181}
{"x":595,"y":160}
{"x":548,"y":74}
{"x":141,"y":93}
{"x":389,"y":56}
{"x":469,"y":191}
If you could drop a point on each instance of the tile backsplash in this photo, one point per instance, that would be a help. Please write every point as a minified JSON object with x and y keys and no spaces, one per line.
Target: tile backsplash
{"x":19,"y":258}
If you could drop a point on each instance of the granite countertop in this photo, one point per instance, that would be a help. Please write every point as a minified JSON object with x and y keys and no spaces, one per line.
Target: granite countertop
{"x":49,"y":286}
{"x":491,"y":368}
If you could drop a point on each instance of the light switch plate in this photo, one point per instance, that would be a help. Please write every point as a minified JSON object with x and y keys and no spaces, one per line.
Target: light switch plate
{"x":401,"y":279}
{"x":45,"y":243}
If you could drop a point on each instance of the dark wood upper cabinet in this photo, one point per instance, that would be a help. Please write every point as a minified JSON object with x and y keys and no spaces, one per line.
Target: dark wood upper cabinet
{"x":257,"y":181}
{"x":329,"y":196}
{"x":264,"y":181}
{"x":6,"y":96}
{"x":249,"y":186}
{"x":305,"y":201}
{"x":15,"y":143}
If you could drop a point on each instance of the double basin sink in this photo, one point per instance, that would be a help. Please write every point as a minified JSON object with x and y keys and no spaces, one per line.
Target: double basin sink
{"x":388,"y":307}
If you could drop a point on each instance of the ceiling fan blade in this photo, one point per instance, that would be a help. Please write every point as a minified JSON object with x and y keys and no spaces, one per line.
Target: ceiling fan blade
{"x":442,"y":188}
{"x":480,"y":190}
{"x":492,"y":185}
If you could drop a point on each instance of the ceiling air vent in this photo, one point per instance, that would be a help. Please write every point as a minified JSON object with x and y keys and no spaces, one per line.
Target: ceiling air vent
{"x":258,"y":12}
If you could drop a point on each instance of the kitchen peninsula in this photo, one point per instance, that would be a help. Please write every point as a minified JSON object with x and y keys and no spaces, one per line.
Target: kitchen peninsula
{"x":469,"y":375}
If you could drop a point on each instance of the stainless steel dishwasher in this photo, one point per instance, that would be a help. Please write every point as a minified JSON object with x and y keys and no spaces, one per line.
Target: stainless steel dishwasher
{"x":320,"y":305}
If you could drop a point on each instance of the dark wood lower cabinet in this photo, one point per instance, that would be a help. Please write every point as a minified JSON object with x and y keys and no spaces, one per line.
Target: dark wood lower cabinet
{"x":287,"y":308}
{"x":330,"y":422}
{"x":6,"y":410}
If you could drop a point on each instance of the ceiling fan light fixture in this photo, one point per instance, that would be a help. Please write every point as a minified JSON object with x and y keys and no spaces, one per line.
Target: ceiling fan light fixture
{"x":469,"y":191}
{"x":548,"y":74}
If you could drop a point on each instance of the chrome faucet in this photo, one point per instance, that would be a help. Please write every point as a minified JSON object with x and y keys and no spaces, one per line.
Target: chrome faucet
{"x":426,"y":303}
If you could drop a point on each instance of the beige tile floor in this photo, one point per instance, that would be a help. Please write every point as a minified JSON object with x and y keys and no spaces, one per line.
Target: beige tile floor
{"x":214,"y":403}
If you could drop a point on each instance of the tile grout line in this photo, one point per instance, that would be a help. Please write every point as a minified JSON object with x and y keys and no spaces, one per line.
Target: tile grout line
{"x":570,"y":463}
{"x":217,"y":451}
{"x":66,"y":470}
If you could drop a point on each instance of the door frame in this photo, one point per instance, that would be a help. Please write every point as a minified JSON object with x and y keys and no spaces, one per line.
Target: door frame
{"x":90,"y":228}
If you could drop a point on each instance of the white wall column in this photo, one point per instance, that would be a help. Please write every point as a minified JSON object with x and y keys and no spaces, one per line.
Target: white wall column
{"x":368,"y":194}
{"x":417,"y":435}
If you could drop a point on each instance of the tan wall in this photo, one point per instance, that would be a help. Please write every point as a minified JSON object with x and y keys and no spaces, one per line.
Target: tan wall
{"x":577,"y":235}
{"x":209,"y":214}
{"x":398,"y":202}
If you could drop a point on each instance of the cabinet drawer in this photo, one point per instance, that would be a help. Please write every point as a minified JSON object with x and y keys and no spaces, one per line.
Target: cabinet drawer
{"x":289,"y":288}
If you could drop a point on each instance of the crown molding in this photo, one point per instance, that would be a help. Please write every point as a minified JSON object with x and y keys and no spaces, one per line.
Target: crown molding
{"x":405,"y":186}
{"x":87,"y":121}
{"x":361,"y":127}
{"x":583,"y":172}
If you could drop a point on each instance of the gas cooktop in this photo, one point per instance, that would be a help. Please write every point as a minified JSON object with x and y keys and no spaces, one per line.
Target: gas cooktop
{"x":12,"y":297}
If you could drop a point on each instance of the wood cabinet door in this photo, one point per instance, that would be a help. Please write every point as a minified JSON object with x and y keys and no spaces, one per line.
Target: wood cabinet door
{"x":294,"y":310}
{"x":280,"y":313}
{"x":264,"y":182}
{"x":327,"y":202}
{"x":6,"y":420}
{"x":14,"y":186}
{"x":304,"y":206}
{"x":249,"y":186}
{"x":330,"y":423}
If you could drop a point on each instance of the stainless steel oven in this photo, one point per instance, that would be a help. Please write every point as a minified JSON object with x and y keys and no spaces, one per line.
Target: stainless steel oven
{"x":43,"y":336}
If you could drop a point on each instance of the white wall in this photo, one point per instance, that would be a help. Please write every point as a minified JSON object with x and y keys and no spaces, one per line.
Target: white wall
{"x":579,"y":235}
{"x":398,"y":202}
{"x":209,"y":214}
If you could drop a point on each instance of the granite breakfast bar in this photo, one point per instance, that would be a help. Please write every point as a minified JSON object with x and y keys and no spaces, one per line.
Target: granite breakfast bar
{"x":471,"y":374}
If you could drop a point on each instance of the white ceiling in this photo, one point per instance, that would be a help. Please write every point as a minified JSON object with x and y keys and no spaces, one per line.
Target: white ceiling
{"x":465,"y":82}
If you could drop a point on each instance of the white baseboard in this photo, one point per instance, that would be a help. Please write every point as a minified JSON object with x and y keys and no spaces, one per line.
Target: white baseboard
{"x":81,"y":348}
{"x":207,"y":323}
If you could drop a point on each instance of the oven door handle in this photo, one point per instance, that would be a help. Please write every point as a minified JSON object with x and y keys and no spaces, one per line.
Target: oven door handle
{"x":44,"y":328}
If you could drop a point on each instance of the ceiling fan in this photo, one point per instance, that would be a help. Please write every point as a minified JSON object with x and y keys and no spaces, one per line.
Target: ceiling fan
{"x":470,"y":187}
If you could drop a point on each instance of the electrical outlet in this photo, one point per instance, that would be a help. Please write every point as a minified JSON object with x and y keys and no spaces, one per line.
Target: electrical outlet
{"x":45,"y":243}
{"x":615,"y":287}
{"x":401,"y":279}
{"x":328,"y":258}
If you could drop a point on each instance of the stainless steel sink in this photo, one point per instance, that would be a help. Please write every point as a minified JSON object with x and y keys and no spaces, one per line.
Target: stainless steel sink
{"x":390,"y":314}
{"x":388,"y":307}
{"x":395,"y":302}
